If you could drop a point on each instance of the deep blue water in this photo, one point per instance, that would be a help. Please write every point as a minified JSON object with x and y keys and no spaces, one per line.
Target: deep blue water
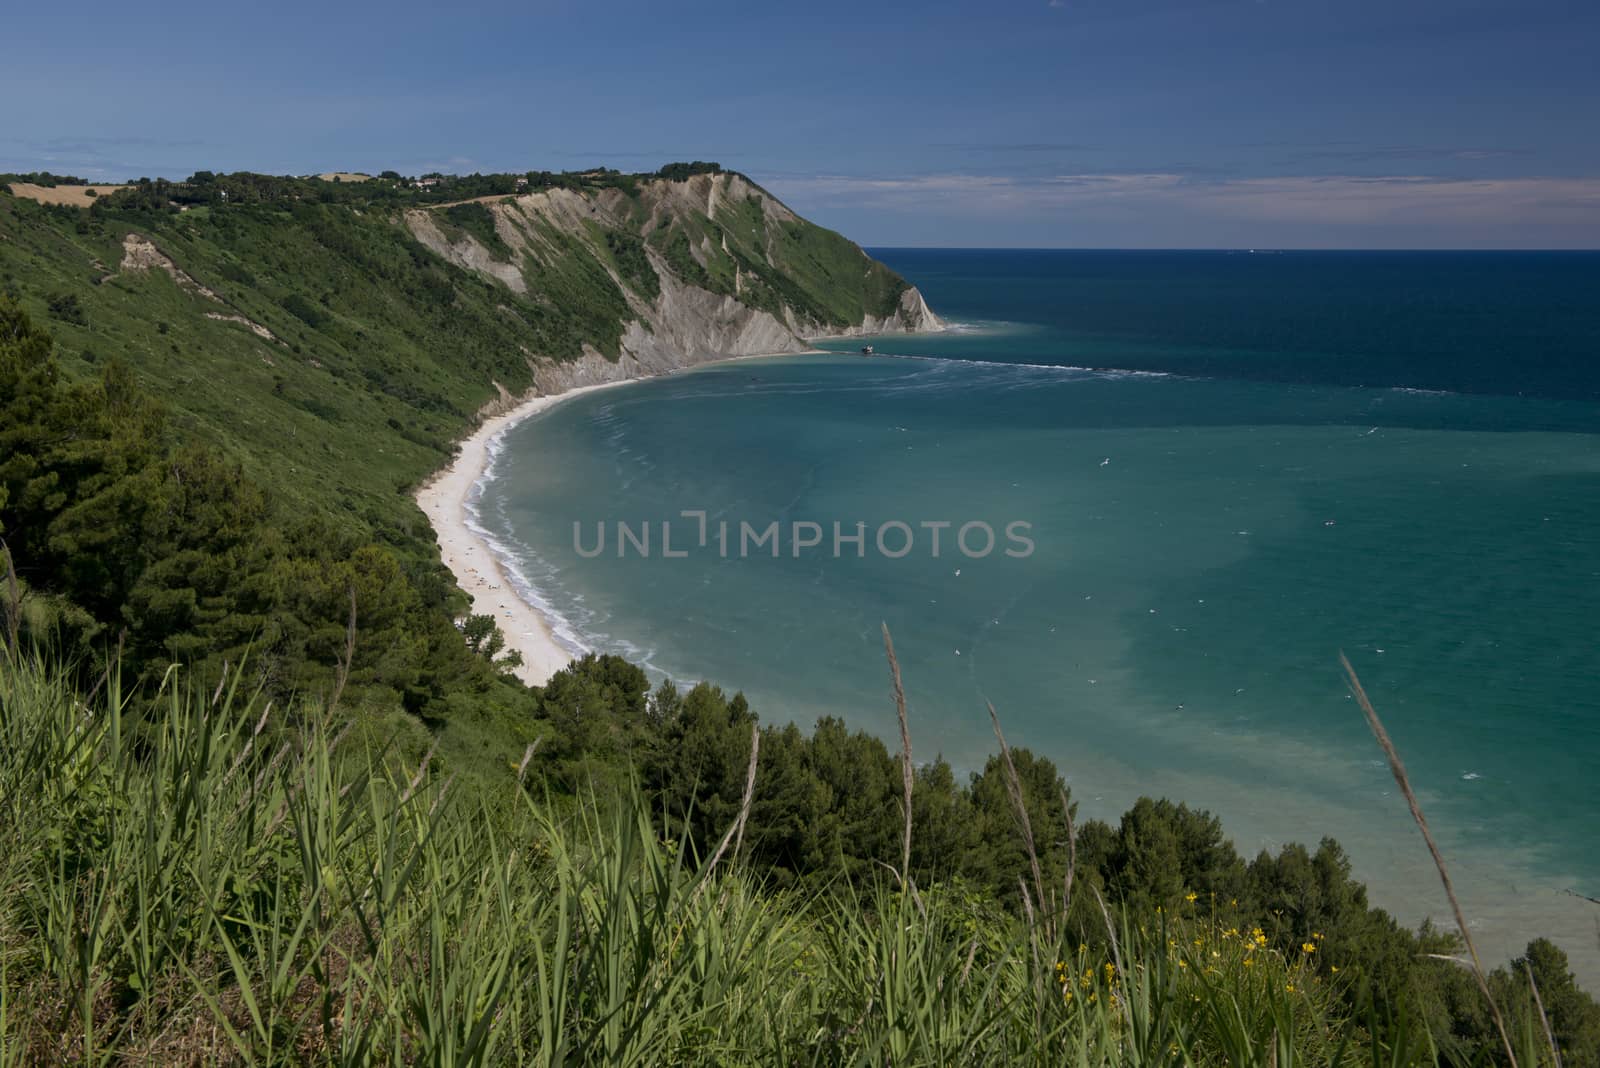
{"x":1506,"y":323}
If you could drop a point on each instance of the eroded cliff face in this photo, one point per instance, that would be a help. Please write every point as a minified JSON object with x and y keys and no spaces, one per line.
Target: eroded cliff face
{"x":704,"y":269}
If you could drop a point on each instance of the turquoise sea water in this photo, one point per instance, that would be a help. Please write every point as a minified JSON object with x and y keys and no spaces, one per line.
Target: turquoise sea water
{"x":1231,"y":466}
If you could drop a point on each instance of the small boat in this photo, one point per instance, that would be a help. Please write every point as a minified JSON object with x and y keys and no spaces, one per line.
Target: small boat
{"x":866,"y":350}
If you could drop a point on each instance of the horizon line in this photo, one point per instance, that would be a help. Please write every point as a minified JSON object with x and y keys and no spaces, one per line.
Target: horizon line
{"x":1237,"y":249}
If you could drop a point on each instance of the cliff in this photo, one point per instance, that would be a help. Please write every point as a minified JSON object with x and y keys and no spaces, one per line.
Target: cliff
{"x":300,"y":323}
{"x":283,"y":361}
{"x":700,"y":269}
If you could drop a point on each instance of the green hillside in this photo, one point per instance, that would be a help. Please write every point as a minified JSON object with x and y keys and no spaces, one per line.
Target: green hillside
{"x":295,"y":333}
{"x":266,"y":796}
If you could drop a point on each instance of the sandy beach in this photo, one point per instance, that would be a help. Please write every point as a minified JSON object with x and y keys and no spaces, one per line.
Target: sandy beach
{"x":446,"y":499}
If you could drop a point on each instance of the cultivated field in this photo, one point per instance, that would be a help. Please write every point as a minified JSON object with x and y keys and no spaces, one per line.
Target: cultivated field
{"x":77,"y":196}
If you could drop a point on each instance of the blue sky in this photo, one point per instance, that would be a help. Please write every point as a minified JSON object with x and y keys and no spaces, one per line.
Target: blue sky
{"x":1071,"y":123}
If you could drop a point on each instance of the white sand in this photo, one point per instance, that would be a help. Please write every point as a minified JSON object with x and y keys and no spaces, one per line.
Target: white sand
{"x":446,"y":498}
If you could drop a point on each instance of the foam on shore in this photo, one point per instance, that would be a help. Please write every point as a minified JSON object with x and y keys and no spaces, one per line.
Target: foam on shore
{"x":481,"y":570}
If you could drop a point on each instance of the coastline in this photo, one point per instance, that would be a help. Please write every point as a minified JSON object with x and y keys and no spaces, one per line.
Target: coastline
{"x":1508,"y":901}
{"x":446,"y":499}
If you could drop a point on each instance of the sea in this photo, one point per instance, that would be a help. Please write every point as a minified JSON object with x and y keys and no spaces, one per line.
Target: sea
{"x":1169,"y":489}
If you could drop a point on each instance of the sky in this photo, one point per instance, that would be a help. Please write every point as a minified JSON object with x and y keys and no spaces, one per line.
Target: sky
{"x":1045,"y":123}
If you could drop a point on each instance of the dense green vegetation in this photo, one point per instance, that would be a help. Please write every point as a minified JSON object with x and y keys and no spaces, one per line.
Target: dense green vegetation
{"x":631,"y":262}
{"x":266,"y":795}
{"x":770,"y":265}
{"x":301,"y":366}
{"x":202,"y":876}
{"x":576,"y":291}
{"x":767,"y":264}
{"x":388,"y":189}
{"x":476,"y":220}
{"x":44,"y":178}
{"x":127,"y":543}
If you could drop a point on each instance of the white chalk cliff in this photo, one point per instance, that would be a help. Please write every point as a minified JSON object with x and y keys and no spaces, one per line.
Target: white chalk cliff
{"x":684,"y":322}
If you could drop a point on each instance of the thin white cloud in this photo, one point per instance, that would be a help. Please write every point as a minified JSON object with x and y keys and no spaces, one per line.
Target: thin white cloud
{"x":1324,"y":199}
{"x":1411,"y":199}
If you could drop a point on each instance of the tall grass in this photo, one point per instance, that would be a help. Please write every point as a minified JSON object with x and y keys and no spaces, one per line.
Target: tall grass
{"x":213,"y":881}
{"x":204,"y":886}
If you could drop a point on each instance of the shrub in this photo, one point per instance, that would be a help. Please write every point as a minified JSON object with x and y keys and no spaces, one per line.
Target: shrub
{"x":68,"y":309}
{"x":301,"y":308}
